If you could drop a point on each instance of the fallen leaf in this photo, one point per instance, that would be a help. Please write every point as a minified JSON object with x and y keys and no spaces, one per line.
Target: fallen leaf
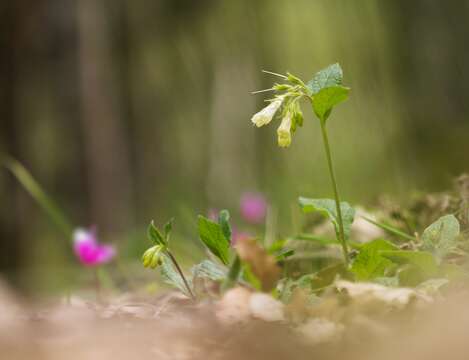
{"x":261,"y":264}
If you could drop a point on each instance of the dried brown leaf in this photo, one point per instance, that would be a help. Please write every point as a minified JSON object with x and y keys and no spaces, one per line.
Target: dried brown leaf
{"x":262,"y":265}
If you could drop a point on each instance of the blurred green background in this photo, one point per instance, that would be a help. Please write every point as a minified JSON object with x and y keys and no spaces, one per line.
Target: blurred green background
{"x":127,"y":111}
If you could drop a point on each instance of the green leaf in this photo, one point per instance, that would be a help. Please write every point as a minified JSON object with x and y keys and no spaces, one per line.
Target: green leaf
{"x":328,"y":77}
{"x":172,"y":277}
{"x":327,"y":276}
{"x":317,"y":281}
{"x":327,"y":208}
{"x":326,"y":99}
{"x":441,"y":236}
{"x":423,"y":260}
{"x":168,"y":227}
{"x":283,"y":254}
{"x":224,"y":221}
{"x":155,"y":235}
{"x":276,"y":246}
{"x":303,"y":283}
{"x":411,"y":275}
{"x":369,"y":264}
{"x":210,"y":270}
{"x":213,"y":237}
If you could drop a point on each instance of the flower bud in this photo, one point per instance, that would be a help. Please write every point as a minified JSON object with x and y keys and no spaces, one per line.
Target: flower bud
{"x":152,"y":257}
{"x":284,"y":131}
{"x":281,"y":87}
{"x":266,"y":115}
{"x":294,"y":79}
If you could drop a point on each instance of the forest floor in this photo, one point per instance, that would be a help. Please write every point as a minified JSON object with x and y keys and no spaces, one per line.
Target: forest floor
{"x":241,"y":325}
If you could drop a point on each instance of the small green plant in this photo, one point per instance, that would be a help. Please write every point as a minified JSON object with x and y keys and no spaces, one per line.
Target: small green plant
{"x":399,"y":259}
{"x":323,"y":92}
{"x":160,"y":254}
{"x":246,"y":263}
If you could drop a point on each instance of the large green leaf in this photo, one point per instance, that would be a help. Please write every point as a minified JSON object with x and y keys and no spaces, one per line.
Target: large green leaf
{"x":423,"y":260}
{"x":213,"y":237}
{"x":327,"y":208}
{"x":441,"y":236}
{"x":328,"y":77}
{"x":369,"y":263}
{"x":327,"y":98}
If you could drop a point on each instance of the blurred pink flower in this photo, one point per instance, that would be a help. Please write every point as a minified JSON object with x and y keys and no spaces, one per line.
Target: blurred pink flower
{"x":239,"y":235}
{"x":253,"y":207}
{"x":89,"y":251}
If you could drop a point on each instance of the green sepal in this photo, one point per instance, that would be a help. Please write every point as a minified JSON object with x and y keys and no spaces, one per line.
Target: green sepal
{"x":155,"y":235}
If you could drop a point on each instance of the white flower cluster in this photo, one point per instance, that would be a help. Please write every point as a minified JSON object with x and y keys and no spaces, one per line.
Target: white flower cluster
{"x":287,"y":101}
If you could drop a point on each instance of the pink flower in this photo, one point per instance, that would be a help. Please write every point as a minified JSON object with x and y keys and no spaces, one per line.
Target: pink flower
{"x":239,"y":235}
{"x":253,"y":207}
{"x":89,"y":251}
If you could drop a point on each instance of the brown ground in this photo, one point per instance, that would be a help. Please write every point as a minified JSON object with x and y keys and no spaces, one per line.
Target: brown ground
{"x":172,"y":327}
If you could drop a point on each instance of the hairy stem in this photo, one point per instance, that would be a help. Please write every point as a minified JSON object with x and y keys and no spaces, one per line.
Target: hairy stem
{"x":178,"y":268}
{"x":341,"y":233}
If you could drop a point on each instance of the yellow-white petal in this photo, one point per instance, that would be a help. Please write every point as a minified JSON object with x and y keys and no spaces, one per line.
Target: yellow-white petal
{"x":284,"y":131}
{"x":266,"y":115}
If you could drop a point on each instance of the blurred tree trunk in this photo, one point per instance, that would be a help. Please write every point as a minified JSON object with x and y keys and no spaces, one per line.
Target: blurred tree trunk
{"x":106,"y":149}
{"x":14,"y":16}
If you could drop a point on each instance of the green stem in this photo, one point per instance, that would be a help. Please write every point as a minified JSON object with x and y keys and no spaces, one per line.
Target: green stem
{"x":35,"y":190}
{"x":176,"y":265}
{"x":97,"y":285}
{"x":341,"y":234}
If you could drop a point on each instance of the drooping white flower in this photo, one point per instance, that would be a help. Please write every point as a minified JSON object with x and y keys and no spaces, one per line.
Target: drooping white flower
{"x":284,"y":131}
{"x":266,"y":115}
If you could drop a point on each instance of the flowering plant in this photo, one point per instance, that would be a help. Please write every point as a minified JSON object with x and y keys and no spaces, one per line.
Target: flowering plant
{"x":323,"y":91}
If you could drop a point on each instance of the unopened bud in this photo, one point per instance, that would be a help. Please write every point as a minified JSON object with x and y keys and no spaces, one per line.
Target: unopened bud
{"x":284,"y":131}
{"x":152,"y":257}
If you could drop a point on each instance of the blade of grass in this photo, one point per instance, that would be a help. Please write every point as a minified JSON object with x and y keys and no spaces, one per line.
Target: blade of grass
{"x":318,"y":239}
{"x":390,"y":229}
{"x":324,"y":241}
{"x":37,"y":193}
